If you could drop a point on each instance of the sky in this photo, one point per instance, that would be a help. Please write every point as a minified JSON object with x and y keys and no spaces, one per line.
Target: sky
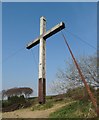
{"x":49,"y":0}
{"x":21,"y":24}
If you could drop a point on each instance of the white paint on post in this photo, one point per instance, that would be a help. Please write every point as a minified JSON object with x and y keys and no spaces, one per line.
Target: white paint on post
{"x":42,"y":49}
{"x":42,"y":54}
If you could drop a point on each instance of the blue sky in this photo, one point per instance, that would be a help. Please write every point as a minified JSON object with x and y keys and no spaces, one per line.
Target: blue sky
{"x":21,"y":25}
{"x":50,"y":0}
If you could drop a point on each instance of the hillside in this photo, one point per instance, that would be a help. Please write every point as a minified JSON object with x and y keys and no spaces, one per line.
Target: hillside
{"x":68,"y":105}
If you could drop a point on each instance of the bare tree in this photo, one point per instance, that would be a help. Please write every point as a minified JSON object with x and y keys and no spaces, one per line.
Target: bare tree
{"x":69,"y":78}
{"x":17,"y":92}
{"x":26,"y":91}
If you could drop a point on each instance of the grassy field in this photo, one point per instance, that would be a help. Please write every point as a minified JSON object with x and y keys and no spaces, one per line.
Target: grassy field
{"x":73,"y":104}
{"x":77,"y":109}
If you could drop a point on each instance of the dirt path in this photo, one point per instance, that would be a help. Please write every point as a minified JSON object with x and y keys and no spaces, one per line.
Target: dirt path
{"x":27,"y":113}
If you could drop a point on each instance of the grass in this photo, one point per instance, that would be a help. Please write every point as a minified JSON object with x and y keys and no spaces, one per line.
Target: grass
{"x":78,"y":109}
{"x":77,"y":103}
{"x":50,"y":102}
{"x":45,"y":106}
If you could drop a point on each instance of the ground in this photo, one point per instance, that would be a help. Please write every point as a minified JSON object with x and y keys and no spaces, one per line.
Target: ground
{"x":70,"y":105}
{"x":28,"y":113}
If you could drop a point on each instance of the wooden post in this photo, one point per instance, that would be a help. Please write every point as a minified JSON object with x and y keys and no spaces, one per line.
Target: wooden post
{"x":42,"y":59}
{"x":42,"y":54}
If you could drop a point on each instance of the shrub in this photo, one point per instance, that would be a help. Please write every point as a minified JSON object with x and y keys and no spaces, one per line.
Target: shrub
{"x":13,"y":100}
{"x":6,"y":103}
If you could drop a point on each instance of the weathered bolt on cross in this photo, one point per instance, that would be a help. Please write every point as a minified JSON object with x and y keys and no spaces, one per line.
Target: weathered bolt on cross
{"x":42,"y":54}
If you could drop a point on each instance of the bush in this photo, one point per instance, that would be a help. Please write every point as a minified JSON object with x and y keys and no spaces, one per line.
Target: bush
{"x":13,"y":100}
{"x":79,"y":93}
{"x":6,"y":103}
{"x":16,"y":99}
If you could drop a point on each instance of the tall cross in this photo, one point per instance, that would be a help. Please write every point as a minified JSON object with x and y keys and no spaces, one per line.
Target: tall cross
{"x":42,"y":54}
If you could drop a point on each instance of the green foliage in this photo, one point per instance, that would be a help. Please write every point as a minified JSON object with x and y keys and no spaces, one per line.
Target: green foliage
{"x":80,"y":93}
{"x":6,"y":103}
{"x":13,"y":100}
{"x":16,"y":99}
{"x":81,"y":106}
{"x":78,"y":109}
{"x":49,"y":97}
{"x":75,"y":92}
{"x":47,"y":105}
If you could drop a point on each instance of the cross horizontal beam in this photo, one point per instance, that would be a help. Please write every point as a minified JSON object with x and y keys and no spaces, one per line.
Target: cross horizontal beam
{"x":46,"y":35}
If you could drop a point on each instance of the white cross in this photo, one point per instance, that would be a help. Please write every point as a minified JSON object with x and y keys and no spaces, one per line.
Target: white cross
{"x":42,"y":54}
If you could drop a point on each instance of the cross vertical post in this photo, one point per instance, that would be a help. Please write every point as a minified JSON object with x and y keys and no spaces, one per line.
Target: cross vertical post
{"x":42,"y":54}
{"x":42,"y":63}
